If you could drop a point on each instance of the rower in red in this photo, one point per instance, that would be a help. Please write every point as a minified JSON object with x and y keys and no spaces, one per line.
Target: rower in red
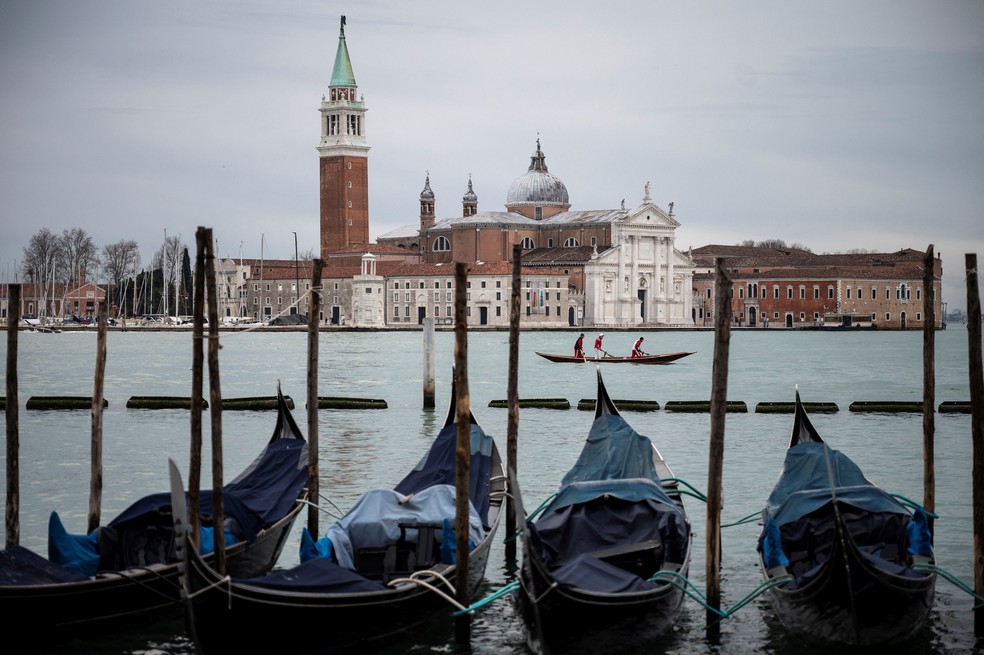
{"x":579,"y":346}
{"x":637,"y":349}
{"x":598,"y":349}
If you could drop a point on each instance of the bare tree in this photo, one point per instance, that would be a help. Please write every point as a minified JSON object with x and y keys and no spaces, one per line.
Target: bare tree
{"x":80,"y":255}
{"x":168,"y":259}
{"x":41,"y":259}
{"x":772,"y":243}
{"x":120,"y":261}
{"x":800,"y":246}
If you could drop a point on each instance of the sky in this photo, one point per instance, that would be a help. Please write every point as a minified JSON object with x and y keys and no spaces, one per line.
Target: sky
{"x":837,"y":125}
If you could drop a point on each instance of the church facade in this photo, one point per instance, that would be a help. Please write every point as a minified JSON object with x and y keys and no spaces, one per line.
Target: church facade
{"x":618,"y":267}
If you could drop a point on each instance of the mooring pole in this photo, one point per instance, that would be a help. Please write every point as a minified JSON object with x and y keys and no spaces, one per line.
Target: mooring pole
{"x":215,"y":406}
{"x":512,"y":428}
{"x":429,"y":363}
{"x":976,"y":430}
{"x":929,"y":386}
{"x":96,"y":446}
{"x":197,"y":388}
{"x":11,"y":409}
{"x":462,"y":623}
{"x":715,"y":464}
{"x":314,"y":490}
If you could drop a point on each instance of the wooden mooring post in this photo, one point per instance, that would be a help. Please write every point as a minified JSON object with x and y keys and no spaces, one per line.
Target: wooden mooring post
{"x":215,"y":404}
{"x":929,"y":388}
{"x":463,"y":452}
{"x":314,"y":305}
{"x":96,"y":444}
{"x":512,"y":391}
{"x":11,"y":411}
{"x":977,"y":430}
{"x":197,"y":384}
{"x":429,"y":364}
{"x":715,"y":463}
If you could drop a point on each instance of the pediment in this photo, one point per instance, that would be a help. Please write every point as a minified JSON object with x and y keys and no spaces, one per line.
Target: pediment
{"x":650,"y":214}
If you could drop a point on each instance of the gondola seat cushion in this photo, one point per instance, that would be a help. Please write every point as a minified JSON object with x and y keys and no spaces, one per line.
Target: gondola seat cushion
{"x":76,"y":552}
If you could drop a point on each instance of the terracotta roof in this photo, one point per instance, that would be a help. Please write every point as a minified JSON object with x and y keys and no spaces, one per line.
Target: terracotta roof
{"x":557,"y":256}
{"x":474,"y":268}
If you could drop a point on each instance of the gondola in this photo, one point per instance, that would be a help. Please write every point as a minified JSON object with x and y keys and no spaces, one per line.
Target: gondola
{"x":842,"y":555}
{"x":125,"y":574}
{"x":602,"y":564}
{"x":664,"y":358}
{"x":381,"y":573}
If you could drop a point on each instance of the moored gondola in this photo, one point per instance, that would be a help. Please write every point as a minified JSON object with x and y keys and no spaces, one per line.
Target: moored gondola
{"x":602,"y":564}
{"x":382,"y":573}
{"x":842,"y":555}
{"x":125,"y":574}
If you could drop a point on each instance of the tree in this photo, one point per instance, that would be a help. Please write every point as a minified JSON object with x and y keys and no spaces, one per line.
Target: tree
{"x":79,"y":255}
{"x":168,"y":259}
{"x":120,"y":261}
{"x":41,"y":258}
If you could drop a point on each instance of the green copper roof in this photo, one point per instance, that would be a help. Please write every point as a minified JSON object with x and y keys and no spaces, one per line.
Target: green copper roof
{"x":342,"y":74}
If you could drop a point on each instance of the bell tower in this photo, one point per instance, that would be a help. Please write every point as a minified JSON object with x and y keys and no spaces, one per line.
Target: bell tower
{"x":343,"y":158}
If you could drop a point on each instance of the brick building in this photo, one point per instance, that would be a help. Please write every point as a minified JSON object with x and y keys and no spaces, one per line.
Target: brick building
{"x":773,"y":287}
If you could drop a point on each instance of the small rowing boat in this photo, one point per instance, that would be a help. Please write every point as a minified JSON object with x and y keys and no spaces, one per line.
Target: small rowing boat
{"x":664,"y":358}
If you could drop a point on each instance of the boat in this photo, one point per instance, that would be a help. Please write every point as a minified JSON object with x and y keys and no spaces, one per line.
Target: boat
{"x":847,"y":562}
{"x":664,"y":358}
{"x":603,"y":562}
{"x":125,"y":574}
{"x":381,"y":573}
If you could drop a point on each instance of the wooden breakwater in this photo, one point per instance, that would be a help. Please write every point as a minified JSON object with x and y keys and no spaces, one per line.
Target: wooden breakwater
{"x":62,"y":402}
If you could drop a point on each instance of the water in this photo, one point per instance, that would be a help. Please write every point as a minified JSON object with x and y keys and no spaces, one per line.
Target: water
{"x":367,"y":448}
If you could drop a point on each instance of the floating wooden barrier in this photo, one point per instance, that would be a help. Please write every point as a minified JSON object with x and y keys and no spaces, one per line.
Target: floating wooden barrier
{"x":789,"y":408}
{"x":255,"y":402}
{"x":954,"y":407}
{"x":61,"y":402}
{"x":891,"y":406}
{"x":335,"y":402}
{"x":161,"y":402}
{"x":534,"y":403}
{"x":588,"y":405}
{"x":736,"y":406}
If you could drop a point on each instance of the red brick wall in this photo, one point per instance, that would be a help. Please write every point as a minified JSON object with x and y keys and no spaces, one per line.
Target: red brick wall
{"x":342,"y":225}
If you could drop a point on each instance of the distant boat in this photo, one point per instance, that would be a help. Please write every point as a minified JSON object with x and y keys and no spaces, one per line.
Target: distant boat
{"x":664,"y":358}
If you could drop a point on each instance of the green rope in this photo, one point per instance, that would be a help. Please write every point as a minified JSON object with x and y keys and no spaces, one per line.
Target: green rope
{"x":925,"y":566}
{"x":542,"y":506}
{"x":914,"y":505}
{"x":747,"y":519}
{"x":696,"y":493}
{"x":509,"y":588}
{"x":696,"y":595}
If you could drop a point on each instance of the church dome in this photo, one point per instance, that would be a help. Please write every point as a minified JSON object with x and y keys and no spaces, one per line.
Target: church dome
{"x":470,"y":194}
{"x":537,"y":186}
{"x":427,"y":194}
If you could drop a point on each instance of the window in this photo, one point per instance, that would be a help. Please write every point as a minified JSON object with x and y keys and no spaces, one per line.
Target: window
{"x":441,"y":244}
{"x":708,"y":293}
{"x":528,"y":310}
{"x":789,"y":293}
{"x":448,"y":313}
{"x":396,"y":312}
{"x":498,"y":284}
{"x":437,"y":310}
{"x":594,"y":241}
{"x":549,"y":243}
{"x":802,"y":293}
{"x":406,"y":310}
{"x":437,"y":285}
{"x":527,"y":244}
{"x":830,"y":293}
{"x":546,"y":309}
{"x":449,"y":298}
{"x":741,"y":293}
{"x":802,"y":315}
{"x":918,"y":294}
{"x":888,"y":316}
{"x":816,"y":293}
{"x":775,"y":292}
{"x":848,"y":293}
{"x":406,"y":285}
{"x":420,"y":285}
{"x":447,"y":283}
{"x":368,"y":289}
{"x":538,"y":213}
{"x":888,"y":294}
{"x":498,"y":310}
{"x":406,"y":296}
{"x":874,"y":293}
{"x":483,"y":284}
{"x":498,"y":295}
{"x":571,"y":243}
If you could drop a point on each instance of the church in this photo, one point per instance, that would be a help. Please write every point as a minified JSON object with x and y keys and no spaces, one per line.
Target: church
{"x":602,"y":268}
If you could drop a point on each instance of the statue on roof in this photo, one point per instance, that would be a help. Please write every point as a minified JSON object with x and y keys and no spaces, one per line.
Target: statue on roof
{"x":623,"y":204}
{"x":647,"y":197}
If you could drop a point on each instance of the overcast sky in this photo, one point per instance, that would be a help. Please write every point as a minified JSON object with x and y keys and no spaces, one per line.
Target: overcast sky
{"x":836,"y":125}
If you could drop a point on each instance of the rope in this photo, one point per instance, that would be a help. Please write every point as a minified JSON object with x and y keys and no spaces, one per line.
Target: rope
{"x":414,"y":579}
{"x":542,"y":506}
{"x":496,"y":595}
{"x":914,"y":505}
{"x":696,"y":493}
{"x":742,"y":521}
{"x":963,"y":586}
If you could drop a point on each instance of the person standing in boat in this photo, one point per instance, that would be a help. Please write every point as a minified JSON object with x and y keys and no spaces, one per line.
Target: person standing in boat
{"x":579,"y":346}
{"x":598,"y":349}
{"x":637,"y":349}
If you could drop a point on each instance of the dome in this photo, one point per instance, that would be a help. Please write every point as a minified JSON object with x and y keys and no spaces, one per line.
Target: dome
{"x":470,"y":194}
{"x":427,"y":194}
{"x":537,"y":186}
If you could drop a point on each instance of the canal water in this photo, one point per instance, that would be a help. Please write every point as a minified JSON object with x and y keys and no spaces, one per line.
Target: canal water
{"x":361,"y":449}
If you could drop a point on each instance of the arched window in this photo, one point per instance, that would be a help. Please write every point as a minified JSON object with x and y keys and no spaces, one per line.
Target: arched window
{"x":527,"y":244}
{"x":571,"y":243}
{"x":441,"y":244}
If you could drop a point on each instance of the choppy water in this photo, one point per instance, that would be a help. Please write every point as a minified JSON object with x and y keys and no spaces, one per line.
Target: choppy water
{"x":362,"y":449}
